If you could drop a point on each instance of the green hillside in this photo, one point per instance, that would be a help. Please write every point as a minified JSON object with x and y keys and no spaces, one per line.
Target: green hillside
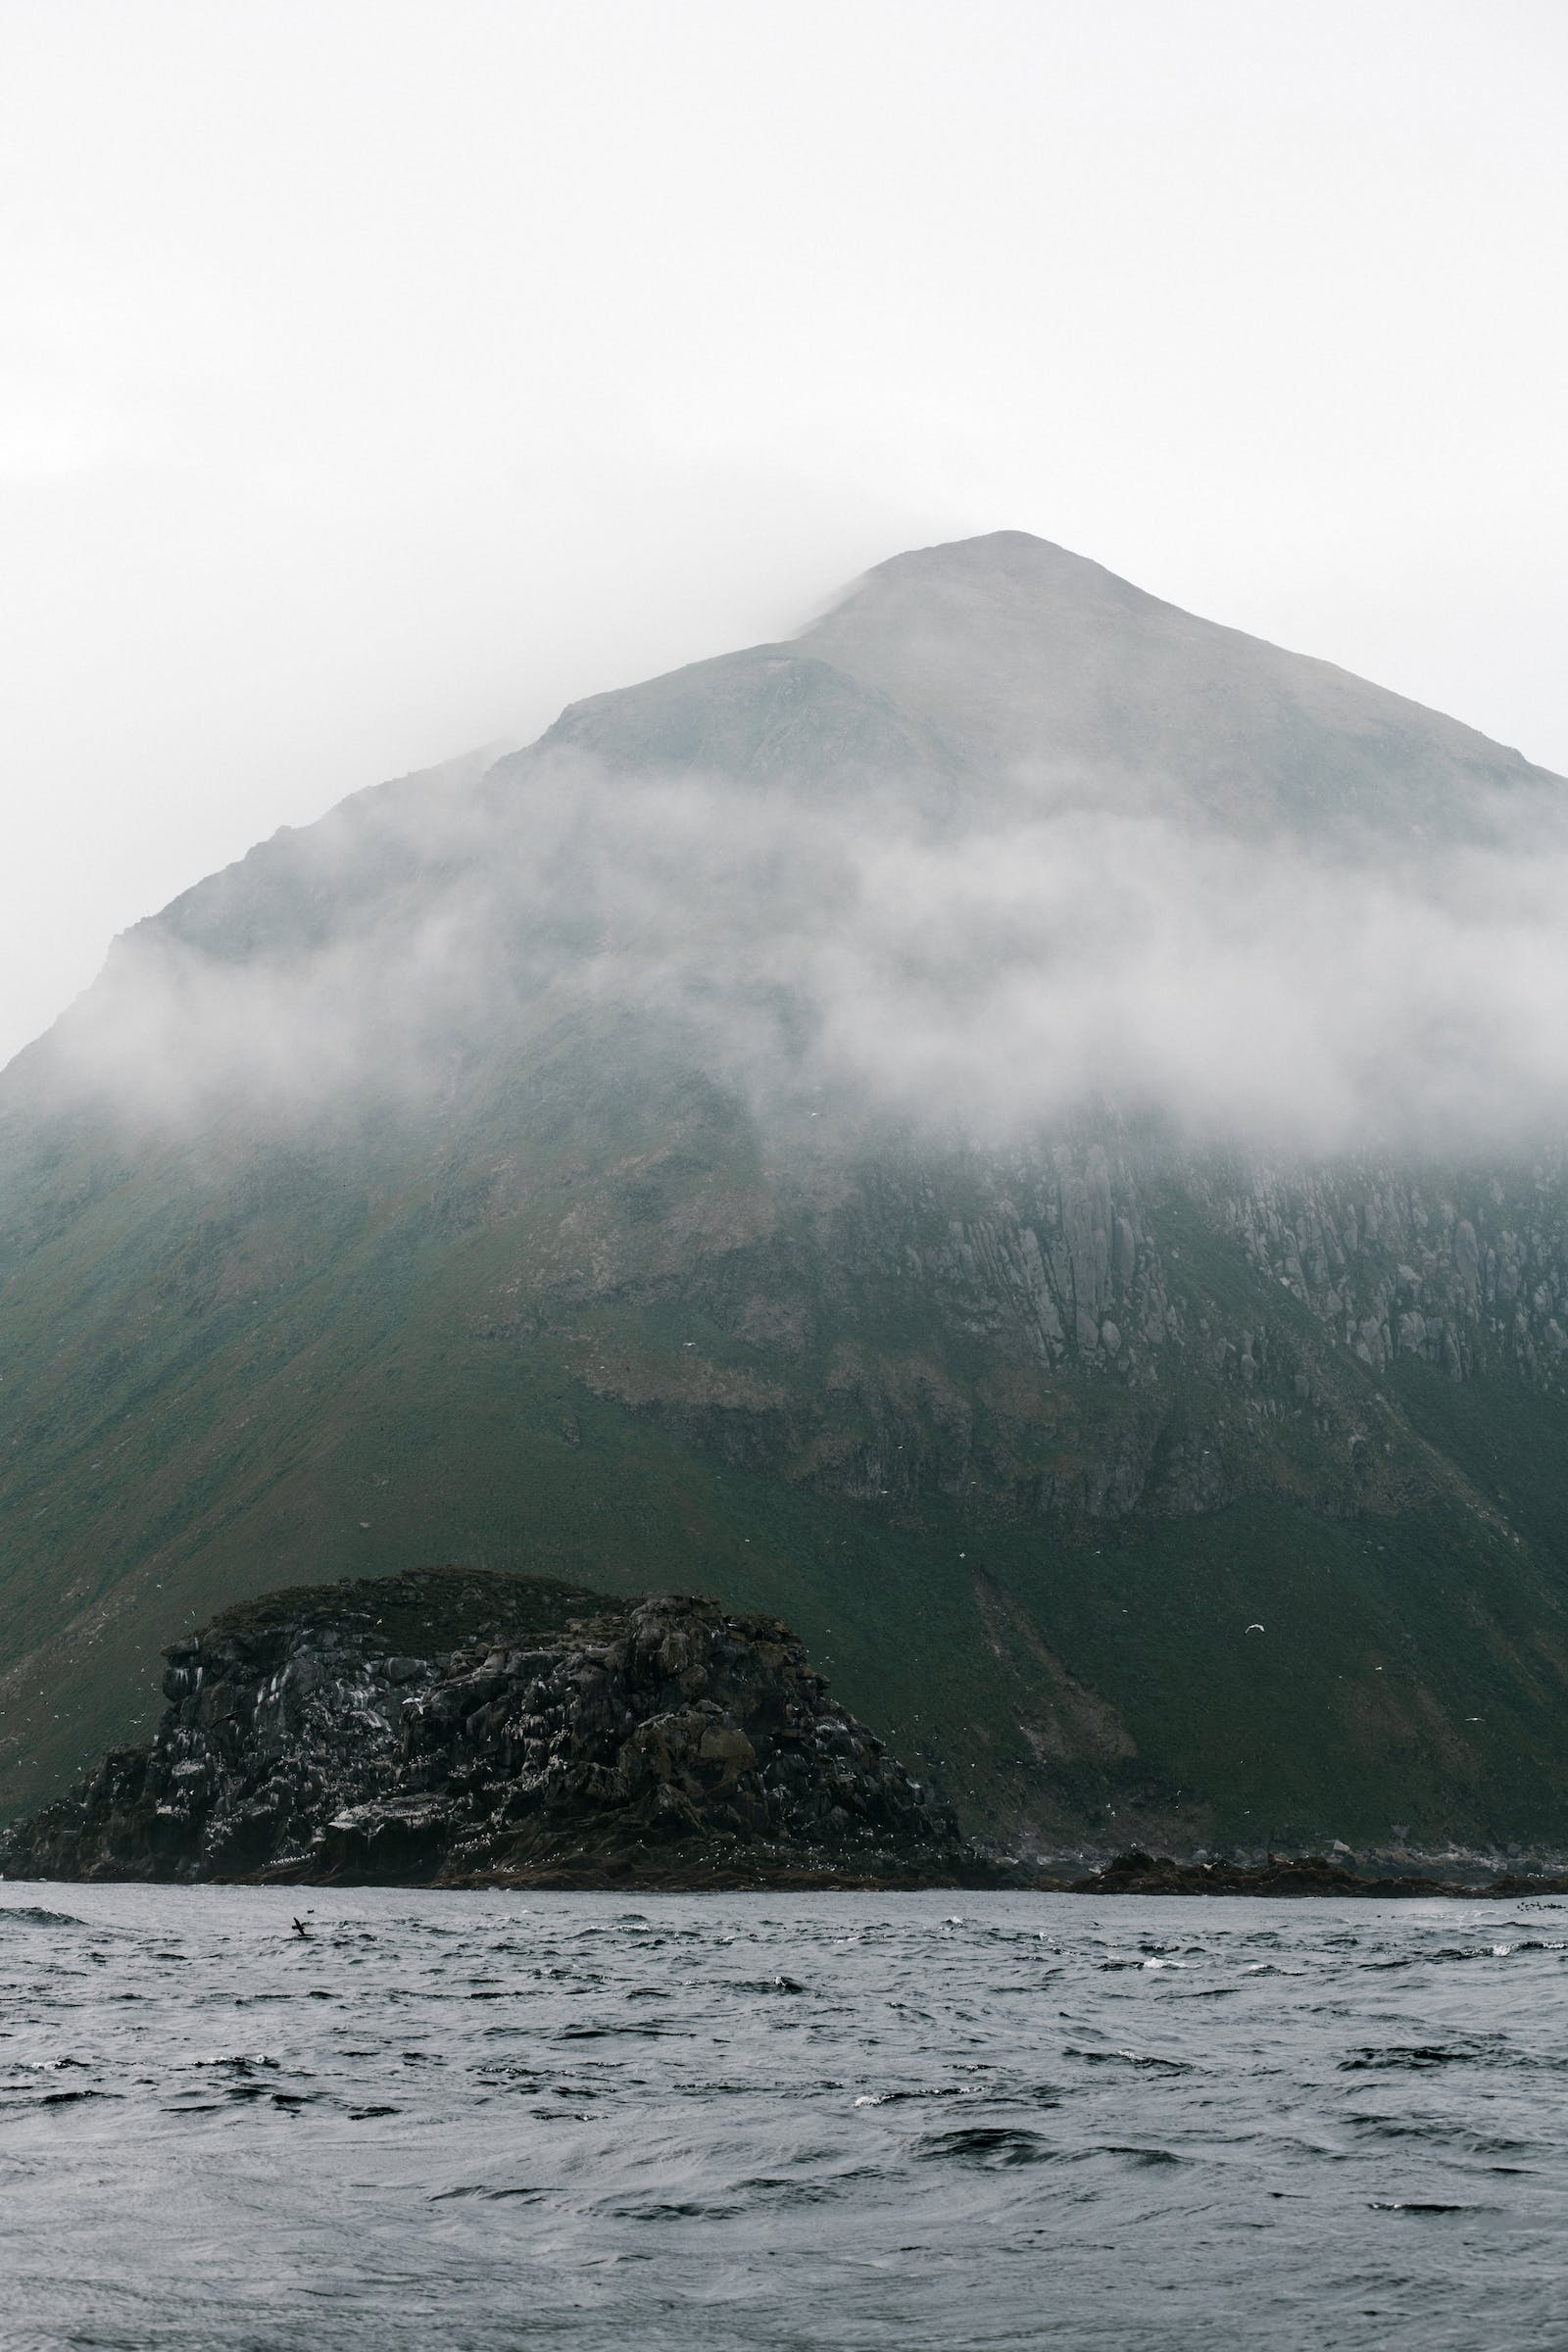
{"x":345,"y":1362}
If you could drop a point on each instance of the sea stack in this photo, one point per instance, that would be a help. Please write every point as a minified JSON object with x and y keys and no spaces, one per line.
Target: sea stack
{"x":459,"y":1727}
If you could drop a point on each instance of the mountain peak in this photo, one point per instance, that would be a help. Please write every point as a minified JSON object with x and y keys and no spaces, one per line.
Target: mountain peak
{"x":1020,"y":656}
{"x":1006,"y":559}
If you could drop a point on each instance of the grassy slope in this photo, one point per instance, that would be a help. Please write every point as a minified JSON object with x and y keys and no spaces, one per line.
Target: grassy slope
{"x":241,"y":1439}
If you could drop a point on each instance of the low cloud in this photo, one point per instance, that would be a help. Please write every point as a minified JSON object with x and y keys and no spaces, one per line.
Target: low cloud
{"x":982,"y":971}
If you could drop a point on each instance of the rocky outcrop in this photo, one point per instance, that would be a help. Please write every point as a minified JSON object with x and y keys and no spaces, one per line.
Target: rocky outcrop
{"x":450,"y":1728}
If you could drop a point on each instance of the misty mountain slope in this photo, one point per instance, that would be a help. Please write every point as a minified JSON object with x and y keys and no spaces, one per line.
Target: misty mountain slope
{"x":1021,"y":653}
{"x":769,"y":712}
{"x":864,"y":1129}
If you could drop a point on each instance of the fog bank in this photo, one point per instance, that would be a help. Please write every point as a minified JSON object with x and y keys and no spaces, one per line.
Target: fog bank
{"x":980,"y":970}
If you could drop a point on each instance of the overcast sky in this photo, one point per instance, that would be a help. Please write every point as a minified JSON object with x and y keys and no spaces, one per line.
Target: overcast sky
{"x":375,"y":376}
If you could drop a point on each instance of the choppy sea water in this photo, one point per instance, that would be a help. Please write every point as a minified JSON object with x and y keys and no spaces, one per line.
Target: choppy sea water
{"x":488,"y":2121}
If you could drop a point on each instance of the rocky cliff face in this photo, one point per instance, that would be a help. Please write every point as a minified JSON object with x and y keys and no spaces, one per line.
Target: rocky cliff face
{"x":452,"y":1727}
{"x":1104,"y":1328}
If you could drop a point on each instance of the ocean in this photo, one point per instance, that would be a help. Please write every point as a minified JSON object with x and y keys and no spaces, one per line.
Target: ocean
{"x":817,"y":2121}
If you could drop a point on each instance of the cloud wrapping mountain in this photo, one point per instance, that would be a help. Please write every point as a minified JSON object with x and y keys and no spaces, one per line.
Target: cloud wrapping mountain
{"x":925,"y":861}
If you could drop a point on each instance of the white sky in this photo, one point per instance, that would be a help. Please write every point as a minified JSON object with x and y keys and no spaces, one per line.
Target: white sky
{"x":376,"y":375}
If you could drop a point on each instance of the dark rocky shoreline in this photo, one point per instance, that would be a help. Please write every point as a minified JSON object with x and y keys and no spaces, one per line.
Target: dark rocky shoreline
{"x":449,"y":1727}
{"x":1138,"y":1872}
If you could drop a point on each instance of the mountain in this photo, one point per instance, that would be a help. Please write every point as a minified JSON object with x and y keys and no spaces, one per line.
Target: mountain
{"x":1016,"y":1130}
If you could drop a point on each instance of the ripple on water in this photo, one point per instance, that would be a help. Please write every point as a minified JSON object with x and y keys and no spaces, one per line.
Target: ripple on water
{"x":861,"y":2122}
{"x":993,"y":2148}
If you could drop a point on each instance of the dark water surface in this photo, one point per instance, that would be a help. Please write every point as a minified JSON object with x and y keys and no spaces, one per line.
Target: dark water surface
{"x":904,"y":2121}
